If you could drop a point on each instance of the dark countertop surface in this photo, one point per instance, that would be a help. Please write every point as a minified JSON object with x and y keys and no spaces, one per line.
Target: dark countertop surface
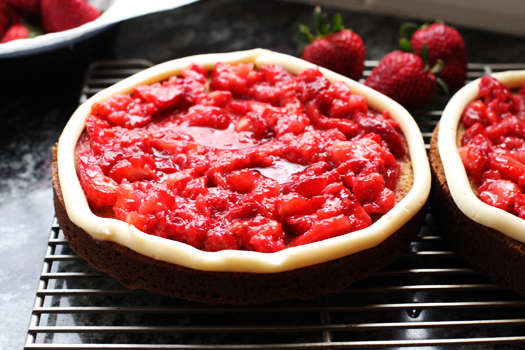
{"x":40,"y":93}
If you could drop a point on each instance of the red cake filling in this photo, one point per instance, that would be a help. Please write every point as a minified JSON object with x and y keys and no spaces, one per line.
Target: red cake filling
{"x":239,"y":158}
{"x":493,"y":146}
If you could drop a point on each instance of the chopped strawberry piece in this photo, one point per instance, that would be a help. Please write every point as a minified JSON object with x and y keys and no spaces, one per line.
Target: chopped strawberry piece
{"x":126,"y":201}
{"x":100,"y":190}
{"x":158,"y":199}
{"x":216,"y":98}
{"x":271,"y":85}
{"x":507,"y":165}
{"x":370,"y":191}
{"x":124,"y":111}
{"x":195,"y":187}
{"x":328,"y":228}
{"x":160,"y":96}
{"x":382,"y":203}
{"x":347,"y":127}
{"x":512,"y":143}
{"x":232,"y":78}
{"x":476,"y":129}
{"x":338,"y":102}
{"x":221,"y":239}
{"x":382,"y":128}
{"x":477,"y":112}
{"x":220,"y":200}
{"x":266,"y":188}
{"x":499,"y":193}
{"x":195,"y":72}
{"x":519,"y":205}
{"x":212,"y":117}
{"x":363,"y":154}
{"x":295,"y":204}
{"x":509,"y":126}
{"x":135,"y":168}
{"x":291,"y":123}
{"x":259,"y":234}
{"x":246,"y":208}
{"x":497,"y":96}
{"x":243,"y":181}
{"x":310,"y":83}
{"x":255,"y":123}
{"x":144,"y":222}
{"x":335,"y":205}
{"x":186,"y":225}
{"x":475,"y":156}
{"x":307,"y":187}
{"x":306,"y":148}
{"x":100,"y":133}
{"x":367,"y":187}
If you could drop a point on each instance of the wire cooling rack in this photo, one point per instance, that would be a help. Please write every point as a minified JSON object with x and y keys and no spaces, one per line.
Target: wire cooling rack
{"x":428,"y":298}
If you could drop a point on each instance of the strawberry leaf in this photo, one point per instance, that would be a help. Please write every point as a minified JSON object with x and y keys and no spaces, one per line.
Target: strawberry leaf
{"x":424,"y":53}
{"x":321,"y":26}
{"x":408,"y":29}
{"x":405,"y":45}
{"x":305,"y":36}
{"x":337,"y":24}
{"x":443,"y":86}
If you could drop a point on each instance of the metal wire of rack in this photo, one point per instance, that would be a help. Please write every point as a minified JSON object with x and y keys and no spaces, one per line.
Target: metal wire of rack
{"x":429,"y":297}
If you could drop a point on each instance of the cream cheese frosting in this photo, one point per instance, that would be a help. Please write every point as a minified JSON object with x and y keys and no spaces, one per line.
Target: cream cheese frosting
{"x":455,"y":172}
{"x":236,"y":260}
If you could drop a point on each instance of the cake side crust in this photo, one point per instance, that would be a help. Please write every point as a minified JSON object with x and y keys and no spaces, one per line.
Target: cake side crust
{"x":494,"y":254}
{"x":136,"y":271}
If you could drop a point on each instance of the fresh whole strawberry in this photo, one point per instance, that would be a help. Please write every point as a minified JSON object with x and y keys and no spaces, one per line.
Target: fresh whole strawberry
{"x":334,"y":47}
{"x":16,"y":31}
{"x":404,"y":77}
{"x":28,"y":8}
{"x":445,"y":43}
{"x":8,"y":16}
{"x":60,"y":15}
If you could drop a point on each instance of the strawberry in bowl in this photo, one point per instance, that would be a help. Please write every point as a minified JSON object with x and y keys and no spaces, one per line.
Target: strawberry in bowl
{"x":239,"y":178}
{"x":45,"y":16}
{"x":477,"y":165}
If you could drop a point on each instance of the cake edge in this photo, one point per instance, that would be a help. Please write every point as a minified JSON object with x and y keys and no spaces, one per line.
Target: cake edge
{"x":137,"y":271}
{"x":489,"y":251}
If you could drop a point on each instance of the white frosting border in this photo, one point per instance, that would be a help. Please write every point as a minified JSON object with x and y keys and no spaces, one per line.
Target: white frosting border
{"x":455,"y":172}
{"x":229,"y":260}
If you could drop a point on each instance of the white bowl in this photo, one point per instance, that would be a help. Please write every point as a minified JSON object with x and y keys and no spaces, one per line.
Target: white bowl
{"x":114,"y":11}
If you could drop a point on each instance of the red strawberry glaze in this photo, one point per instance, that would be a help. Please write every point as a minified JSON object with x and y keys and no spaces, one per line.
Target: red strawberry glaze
{"x":493,"y":146}
{"x":260,"y":160}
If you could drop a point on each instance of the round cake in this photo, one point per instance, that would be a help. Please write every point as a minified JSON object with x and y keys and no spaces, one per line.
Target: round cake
{"x":481,"y":222}
{"x":257,"y":177}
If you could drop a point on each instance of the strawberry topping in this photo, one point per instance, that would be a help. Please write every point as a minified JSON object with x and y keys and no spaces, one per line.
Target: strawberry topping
{"x":263,"y":161}
{"x":493,"y":146}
